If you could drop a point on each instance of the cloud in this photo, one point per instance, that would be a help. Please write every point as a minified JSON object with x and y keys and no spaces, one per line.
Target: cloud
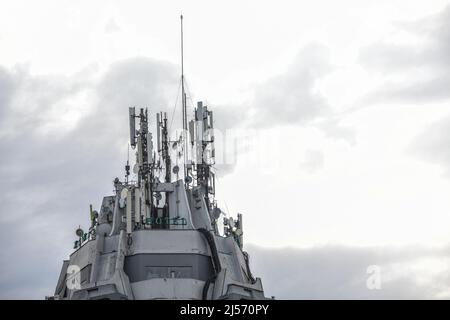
{"x":432,"y":144}
{"x":293,"y":97}
{"x":50,"y":176}
{"x":51,"y":171}
{"x":417,"y":72}
{"x":7,"y":86}
{"x":111,"y":26}
{"x":340,"y":272}
{"x":314,"y":160}
{"x":333,"y":129}
{"x":63,"y":137}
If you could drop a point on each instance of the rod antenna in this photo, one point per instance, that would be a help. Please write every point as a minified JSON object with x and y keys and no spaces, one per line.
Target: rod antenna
{"x":183,"y":98}
{"x":183,"y":93}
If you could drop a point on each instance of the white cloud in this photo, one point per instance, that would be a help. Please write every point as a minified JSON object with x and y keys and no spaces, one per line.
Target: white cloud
{"x":340,"y":272}
{"x":338,"y":172}
{"x":51,"y":172}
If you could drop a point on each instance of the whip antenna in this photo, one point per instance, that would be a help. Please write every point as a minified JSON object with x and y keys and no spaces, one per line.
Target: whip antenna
{"x":183,"y":97}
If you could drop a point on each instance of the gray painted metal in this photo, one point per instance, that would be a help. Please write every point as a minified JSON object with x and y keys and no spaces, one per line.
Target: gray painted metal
{"x":159,"y":240}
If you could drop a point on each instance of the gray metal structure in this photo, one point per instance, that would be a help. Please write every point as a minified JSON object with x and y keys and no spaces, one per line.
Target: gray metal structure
{"x":158,"y":236}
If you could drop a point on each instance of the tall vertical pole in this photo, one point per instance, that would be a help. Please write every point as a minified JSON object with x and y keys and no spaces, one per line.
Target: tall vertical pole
{"x":183,"y":100}
{"x":182,"y":71}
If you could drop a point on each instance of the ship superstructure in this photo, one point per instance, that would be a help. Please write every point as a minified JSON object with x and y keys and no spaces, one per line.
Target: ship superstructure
{"x":157,"y":236}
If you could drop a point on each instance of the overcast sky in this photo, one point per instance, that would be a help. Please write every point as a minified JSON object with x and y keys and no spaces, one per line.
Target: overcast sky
{"x":346,"y":105}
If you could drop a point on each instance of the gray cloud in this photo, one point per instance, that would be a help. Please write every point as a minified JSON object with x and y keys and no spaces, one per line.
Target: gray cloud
{"x":425,"y":71}
{"x":340,"y":272}
{"x":425,"y":64}
{"x":49,"y":179}
{"x":52,"y":171}
{"x":432,"y":144}
{"x":292,"y":97}
{"x":7,"y":85}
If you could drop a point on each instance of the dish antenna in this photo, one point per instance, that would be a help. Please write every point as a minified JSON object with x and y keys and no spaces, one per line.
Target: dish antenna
{"x":79,"y":232}
{"x":217,"y":212}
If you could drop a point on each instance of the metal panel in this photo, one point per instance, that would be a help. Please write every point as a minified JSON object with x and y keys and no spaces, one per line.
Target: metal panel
{"x":132,"y":126}
{"x":137,"y":205}
{"x":139,"y":143}
{"x":169,"y":241}
{"x":164,"y":187}
{"x":149,"y":147}
{"x":158,"y":133}
{"x":147,"y":266}
{"x":129,"y":204}
{"x":192,"y":131}
{"x":168,"y":289}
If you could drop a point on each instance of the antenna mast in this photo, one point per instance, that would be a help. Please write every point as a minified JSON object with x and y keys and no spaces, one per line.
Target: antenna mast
{"x":183,"y":100}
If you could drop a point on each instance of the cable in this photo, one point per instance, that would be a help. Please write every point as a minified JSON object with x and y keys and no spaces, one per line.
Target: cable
{"x":247,"y":264}
{"x":207,"y":285}
{"x":175,"y":106}
{"x":215,"y":260}
{"x":189,"y":93}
